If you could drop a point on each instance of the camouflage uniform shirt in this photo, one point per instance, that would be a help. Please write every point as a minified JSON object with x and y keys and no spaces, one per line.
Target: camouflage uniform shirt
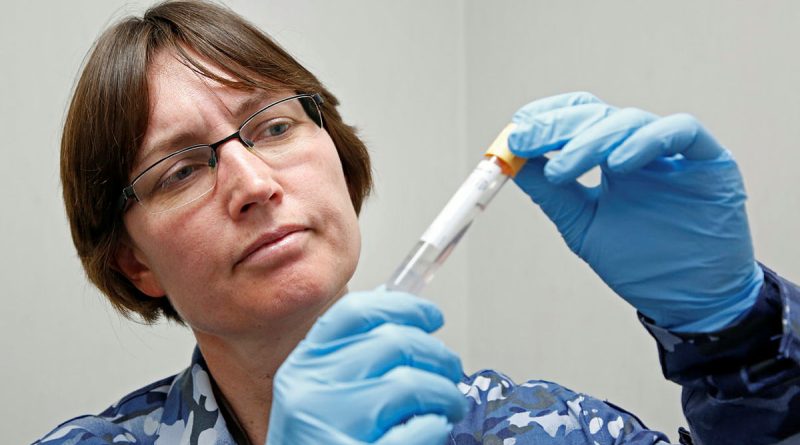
{"x":740,"y":385}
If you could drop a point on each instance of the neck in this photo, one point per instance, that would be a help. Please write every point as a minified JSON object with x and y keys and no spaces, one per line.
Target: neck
{"x":244,"y":368}
{"x":244,"y":375}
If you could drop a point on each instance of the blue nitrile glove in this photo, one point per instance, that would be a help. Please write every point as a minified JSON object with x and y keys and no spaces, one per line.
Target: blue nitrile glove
{"x":369,"y":372}
{"x":667,"y":228}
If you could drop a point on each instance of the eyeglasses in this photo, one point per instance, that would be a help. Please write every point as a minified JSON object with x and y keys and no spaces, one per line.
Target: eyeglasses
{"x":187,"y":174}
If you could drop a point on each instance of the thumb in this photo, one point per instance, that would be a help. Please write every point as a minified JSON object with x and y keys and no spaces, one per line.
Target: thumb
{"x":430,"y":429}
{"x":560,"y":202}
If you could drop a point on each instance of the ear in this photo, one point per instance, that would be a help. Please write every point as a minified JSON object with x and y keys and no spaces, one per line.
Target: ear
{"x":132,"y":263}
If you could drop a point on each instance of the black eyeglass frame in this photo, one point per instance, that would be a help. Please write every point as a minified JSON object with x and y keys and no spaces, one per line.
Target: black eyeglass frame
{"x":128,"y":193}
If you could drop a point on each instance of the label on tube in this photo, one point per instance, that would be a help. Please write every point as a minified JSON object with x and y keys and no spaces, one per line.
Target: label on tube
{"x":454,"y":215}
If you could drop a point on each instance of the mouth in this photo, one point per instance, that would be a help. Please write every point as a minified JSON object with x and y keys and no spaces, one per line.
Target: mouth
{"x":273,"y":244}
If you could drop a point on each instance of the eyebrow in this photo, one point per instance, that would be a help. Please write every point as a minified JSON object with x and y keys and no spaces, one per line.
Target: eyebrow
{"x":165,"y":145}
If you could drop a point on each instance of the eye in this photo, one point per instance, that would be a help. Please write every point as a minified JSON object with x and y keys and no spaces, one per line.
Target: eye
{"x":272,"y":130}
{"x":277,"y":129}
{"x":178,"y":176}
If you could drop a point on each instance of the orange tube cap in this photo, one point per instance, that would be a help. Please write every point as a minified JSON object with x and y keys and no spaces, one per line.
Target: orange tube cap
{"x":499,"y":148}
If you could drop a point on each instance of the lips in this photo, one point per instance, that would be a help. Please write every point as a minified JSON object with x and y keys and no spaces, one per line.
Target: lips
{"x":269,"y":238}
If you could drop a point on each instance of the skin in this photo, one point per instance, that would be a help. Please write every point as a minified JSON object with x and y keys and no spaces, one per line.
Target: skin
{"x":247,"y":316}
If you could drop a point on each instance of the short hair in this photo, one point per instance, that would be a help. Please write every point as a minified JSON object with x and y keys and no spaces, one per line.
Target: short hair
{"x":108,"y":116}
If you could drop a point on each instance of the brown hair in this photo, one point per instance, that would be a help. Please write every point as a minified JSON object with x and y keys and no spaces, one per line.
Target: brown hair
{"x":108,"y":117}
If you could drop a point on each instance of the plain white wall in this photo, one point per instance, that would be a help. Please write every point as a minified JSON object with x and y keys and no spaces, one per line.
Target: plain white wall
{"x":429,"y":84}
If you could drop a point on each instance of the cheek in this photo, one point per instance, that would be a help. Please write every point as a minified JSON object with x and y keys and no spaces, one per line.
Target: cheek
{"x":327,"y":191}
{"x":180,"y":252}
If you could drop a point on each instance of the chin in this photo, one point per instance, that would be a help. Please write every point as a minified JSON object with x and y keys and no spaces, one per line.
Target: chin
{"x":295,"y":297}
{"x":308,"y":291}
{"x":303,"y":289}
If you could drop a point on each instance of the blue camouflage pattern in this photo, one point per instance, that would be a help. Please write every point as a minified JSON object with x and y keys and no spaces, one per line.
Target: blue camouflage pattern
{"x":541,"y":412}
{"x":741,"y":385}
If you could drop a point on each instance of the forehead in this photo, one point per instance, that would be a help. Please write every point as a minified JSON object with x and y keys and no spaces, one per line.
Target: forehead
{"x":187,"y":107}
{"x":171,"y":77}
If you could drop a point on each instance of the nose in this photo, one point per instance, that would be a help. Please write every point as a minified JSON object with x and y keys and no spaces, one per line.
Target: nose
{"x":245,"y":180}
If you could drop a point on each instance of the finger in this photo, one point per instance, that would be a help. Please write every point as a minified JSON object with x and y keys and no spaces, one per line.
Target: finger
{"x":552,"y":129}
{"x":419,"y":430}
{"x":415,"y":393}
{"x":553,"y":103}
{"x":594,"y":144}
{"x":359,"y":312}
{"x":308,"y":429}
{"x":380,"y":350}
{"x":678,"y":133}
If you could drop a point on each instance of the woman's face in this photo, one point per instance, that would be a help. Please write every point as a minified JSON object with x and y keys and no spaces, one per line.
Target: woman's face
{"x":268,"y":246}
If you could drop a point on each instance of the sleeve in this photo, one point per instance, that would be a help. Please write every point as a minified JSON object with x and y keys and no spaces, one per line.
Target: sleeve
{"x":88,"y":430}
{"x":542,"y":413}
{"x":741,"y":384}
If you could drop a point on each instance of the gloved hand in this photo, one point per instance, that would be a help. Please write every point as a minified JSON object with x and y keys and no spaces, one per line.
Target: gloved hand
{"x":369,"y":372}
{"x":666,"y":229}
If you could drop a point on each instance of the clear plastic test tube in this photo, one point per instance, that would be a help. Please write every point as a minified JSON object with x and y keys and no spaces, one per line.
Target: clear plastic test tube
{"x":446,"y":231}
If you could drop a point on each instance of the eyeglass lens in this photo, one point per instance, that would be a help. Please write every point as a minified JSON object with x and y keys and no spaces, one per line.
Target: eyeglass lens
{"x":186,"y":175}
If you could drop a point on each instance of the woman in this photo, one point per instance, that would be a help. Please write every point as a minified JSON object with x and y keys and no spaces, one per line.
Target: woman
{"x":209,"y":179}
